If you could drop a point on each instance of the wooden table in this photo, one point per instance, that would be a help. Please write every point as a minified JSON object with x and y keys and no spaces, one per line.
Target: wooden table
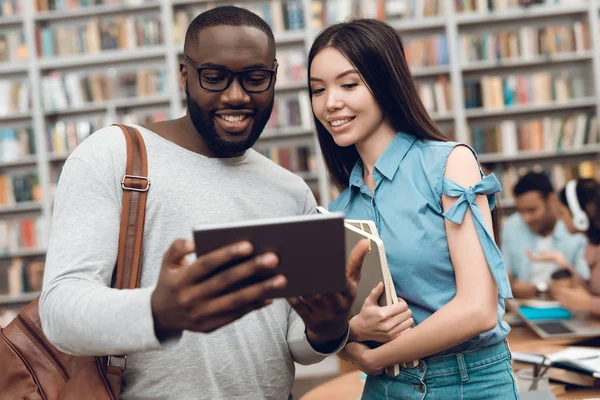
{"x":348,"y":386}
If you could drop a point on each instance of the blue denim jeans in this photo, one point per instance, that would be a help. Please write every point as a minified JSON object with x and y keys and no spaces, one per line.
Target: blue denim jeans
{"x":484,"y":373}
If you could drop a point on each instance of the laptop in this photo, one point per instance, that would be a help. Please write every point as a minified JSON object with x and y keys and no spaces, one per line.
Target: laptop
{"x":553,"y":328}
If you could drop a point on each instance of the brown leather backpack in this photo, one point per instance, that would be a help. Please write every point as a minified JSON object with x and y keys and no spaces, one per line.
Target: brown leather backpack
{"x":30,"y":366}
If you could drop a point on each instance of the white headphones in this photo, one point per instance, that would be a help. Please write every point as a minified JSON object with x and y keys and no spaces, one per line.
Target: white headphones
{"x":580,"y":219}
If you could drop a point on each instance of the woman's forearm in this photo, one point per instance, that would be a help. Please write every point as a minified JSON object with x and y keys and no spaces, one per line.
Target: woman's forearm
{"x":453,"y":324}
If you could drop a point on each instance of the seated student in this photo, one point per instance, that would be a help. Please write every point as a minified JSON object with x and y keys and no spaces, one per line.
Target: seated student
{"x":579,"y":208}
{"x":533,"y":229}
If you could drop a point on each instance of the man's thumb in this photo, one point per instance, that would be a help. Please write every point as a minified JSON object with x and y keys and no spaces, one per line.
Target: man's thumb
{"x":175,"y":254}
{"x":355,"y":260}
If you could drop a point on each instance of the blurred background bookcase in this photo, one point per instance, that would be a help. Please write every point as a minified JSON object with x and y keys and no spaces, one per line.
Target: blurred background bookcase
{"x":518,"y":83}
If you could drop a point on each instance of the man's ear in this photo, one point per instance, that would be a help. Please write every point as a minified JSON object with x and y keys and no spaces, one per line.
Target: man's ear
{"x":182,"y":75}
{"x":552,"y":201}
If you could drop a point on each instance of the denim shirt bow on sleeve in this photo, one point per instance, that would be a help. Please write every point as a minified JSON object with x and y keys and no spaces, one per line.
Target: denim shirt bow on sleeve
{"x":488,"y":186}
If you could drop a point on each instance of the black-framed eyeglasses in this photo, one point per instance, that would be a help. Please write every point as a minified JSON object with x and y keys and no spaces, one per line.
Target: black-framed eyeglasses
{"x":217,"y":79}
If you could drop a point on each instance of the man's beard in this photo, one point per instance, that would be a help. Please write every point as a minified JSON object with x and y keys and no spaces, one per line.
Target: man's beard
{"x":206,"y":128}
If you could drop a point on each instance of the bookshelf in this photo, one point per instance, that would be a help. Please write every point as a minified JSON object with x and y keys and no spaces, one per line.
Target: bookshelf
{"x":434,"y":28}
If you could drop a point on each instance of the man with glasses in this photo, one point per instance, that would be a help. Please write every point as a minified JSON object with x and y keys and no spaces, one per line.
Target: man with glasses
{"x":183,"y":330}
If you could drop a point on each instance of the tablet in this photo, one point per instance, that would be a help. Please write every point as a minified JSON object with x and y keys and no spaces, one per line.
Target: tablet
{"x":311,"y":249}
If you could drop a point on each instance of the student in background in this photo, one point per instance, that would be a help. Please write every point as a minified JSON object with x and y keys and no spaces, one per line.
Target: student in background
{"x":432,"y":206}
{"x":535,"y":228}
{"x":183,"y":330}
{"x":579,"y":209}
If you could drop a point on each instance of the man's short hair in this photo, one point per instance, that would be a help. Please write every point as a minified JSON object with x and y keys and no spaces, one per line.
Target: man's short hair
{"x":534,"y":182}
{"x":227,"y":16}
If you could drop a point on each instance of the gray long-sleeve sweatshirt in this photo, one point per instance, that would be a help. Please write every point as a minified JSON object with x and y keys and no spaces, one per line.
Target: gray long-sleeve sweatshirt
{"x":252,"y":358}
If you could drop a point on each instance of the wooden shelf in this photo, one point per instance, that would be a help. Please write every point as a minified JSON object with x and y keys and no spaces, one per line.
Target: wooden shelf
{"x":540,"y":155}
{"x":21,"y":207}
{"x":12,"y":20}
{"x":117,"y":103}
{"x":104,"y":57}
{"x":92,"y":11}
{"x":15,"y":117}
{"x":531,"y":108}
{"x":517,"y":14}
{"x":9,"y":67}
{"x":430,"y":71}
{"x":418,"y":24}
{"x":18,"y":299}
{"x":23,"y":253}
{"x":516,"y":63}
{"x":26,"y":161}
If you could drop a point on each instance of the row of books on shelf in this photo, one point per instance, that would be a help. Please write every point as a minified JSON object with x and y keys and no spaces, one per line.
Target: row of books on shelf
{"x":64,"y":5}
{"x":19,"y":276}
{"x":559,"y":175}
{"x":296,"y":159}
{"x":12,"y":46}
{"x":550,"y":134}
{"x":427,"y":52}
{"x":14,"y":96}
{"x":525,"y":43}
{"x":437,"y":95}
{"x":24,"y":233}
{"x":499,"y":5}
{"x":292,"y":66}
{"x":65,"y":135}
{"x":495,"y":92}
{"x":290,"y":110}
{"x":327,"y":12}
{"x":61,"y":91}
{"x":95,"y":35}
{"x":280,"y":15}
{"x":145,"y":117}
{"x":16,"y":143}
{"x":9,"y":8}
{"x":18,"y":187}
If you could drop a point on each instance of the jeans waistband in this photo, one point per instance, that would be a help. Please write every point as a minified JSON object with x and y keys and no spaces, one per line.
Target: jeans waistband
{"x":460,"y":361}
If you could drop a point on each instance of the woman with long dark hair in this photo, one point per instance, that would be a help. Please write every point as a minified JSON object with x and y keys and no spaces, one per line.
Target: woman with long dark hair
{"x":432,"y":206}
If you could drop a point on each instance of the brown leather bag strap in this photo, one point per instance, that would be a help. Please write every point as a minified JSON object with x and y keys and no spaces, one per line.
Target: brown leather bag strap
{"x":135,"y":186}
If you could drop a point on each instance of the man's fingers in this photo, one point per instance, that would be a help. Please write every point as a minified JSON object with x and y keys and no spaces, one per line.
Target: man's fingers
{"x":300,"y":306}
{"x":258,"y":268}
{"x":240,"y":299}
{"x":177,"y":251}
{"x":214,"y":323}
{"x":354,"y":263}
{"x":373,"y":297}
{"x":208,"y":263}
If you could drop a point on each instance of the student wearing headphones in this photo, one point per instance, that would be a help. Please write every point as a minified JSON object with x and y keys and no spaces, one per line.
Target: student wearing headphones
{"x":579,"y":209}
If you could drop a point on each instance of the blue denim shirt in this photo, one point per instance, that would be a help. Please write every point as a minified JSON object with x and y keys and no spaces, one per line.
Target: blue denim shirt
{"x":517,"y":238}
{"x":407,"y":208}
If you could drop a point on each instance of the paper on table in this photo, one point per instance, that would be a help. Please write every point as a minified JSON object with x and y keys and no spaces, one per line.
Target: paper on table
{"x":586,"y":358}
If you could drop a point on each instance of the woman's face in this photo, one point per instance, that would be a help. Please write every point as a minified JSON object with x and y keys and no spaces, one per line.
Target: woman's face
{"x":341,"y":101}
{"x":564,"y":214}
